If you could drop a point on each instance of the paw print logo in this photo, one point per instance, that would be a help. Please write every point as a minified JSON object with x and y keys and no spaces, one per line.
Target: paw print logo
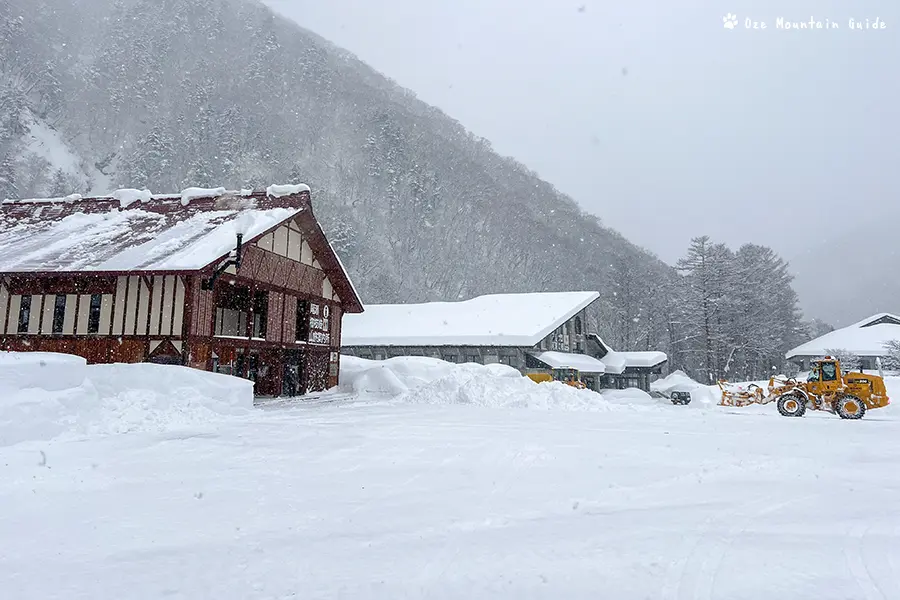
{"x":730,"y":21}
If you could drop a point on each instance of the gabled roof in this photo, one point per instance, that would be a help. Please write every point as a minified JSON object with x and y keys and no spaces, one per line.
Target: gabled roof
{"x":864,"y":338}
{"x":616,"y":362}
{"x":493,"y":320}
{"x":133,"y":230}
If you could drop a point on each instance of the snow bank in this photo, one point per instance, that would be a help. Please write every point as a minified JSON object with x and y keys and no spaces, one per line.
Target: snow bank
{"x":46,"y":396}
{"x":193,"y":193}
{"x":421,"y":380}
{"x":127,"y":197}
{"x":678,"y":381}
{"x":277,"y":191}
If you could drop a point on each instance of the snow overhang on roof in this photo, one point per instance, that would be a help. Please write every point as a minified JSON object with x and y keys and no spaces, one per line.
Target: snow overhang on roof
{"x":565,"y":360}
{"x":616,"y":362}
{"x":864,"y":338}
{"x":520,"y":320}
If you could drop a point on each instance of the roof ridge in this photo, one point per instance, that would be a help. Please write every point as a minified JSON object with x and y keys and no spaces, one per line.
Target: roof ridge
{"x":187,"y":194}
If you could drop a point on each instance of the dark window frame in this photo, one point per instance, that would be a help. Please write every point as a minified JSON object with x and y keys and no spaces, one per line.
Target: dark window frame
{"x":301,"y":326}
{"x":59,"y":314}
{"x":94,"y":310}
{"x":260,"y":309}
{"x":24,"y":313}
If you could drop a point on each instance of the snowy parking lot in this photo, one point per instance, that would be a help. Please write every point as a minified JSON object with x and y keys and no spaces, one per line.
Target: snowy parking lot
{"x":359,"y":499}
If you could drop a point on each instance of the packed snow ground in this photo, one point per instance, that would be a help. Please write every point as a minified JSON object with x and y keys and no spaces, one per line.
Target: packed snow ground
{"x":431,"y":482}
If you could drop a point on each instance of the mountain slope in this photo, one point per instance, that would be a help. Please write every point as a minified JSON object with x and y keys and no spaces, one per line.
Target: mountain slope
{"x":167,"y":94}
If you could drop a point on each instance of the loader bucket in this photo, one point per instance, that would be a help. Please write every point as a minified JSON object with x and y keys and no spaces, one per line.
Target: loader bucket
{"x":735,"y":395}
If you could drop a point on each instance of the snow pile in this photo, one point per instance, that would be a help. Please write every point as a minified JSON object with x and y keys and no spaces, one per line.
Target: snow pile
{"x":679,"y":381}
{"x":127,"y":197}
{"x":277,"y":191}
{"x":892,"y":383}
{"x":193,"y":193}
{"x":42,"y":370}
{"x":46,"y":396}
{"x":630,"y":396}
{"x":421,"y":380}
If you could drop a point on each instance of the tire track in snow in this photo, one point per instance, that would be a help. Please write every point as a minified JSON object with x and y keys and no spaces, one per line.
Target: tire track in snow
{"x":856,"y":562}
{"x":715,"y":554}
{"x":678,"y":570}
{"x":449,"y":552}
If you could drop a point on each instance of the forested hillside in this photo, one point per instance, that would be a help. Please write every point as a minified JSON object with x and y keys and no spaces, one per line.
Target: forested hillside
{"x":167,"y":94}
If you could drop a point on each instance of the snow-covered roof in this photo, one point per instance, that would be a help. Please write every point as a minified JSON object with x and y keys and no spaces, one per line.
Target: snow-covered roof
{"x":132,"y":230}
{"x":493,"y":320}
{"x":565,"y":360}
{"x":864,"y":338}
{"x":616,"y":362}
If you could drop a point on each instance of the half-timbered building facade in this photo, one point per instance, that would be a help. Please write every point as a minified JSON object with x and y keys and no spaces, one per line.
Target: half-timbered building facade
{"x":243,"y":283}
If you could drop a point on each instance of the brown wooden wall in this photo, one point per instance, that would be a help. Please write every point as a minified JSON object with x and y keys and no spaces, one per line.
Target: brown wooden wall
{"x":203,"y":311}
{"x":280,"y":271}
{"x":94,"y":350}
{"x":290,"y":319}
{"x":275,"y":325}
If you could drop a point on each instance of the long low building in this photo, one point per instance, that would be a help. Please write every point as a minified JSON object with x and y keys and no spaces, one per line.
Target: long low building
{"x":865,"y":339}
{"x":533,"y":331}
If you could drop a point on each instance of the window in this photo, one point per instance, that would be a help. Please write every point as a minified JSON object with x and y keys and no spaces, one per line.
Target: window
{"x":578,"y":325}
{"x":302,"y":330}
{"x":59,"y":313}
{"x":451,"y":358}
{"x":232,"y":311}
{"x":829,"y":372}
{"x":260,"y":314}
{"x":24,"y":314}
{"x":94,"y":313}
{"x":473,"y":358}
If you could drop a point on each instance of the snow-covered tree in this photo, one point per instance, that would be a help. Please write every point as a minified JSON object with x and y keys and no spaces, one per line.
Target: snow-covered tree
{"x":849,"y":361}
{"x":892,"y":360}
{"x":8,"y":186}
{"x":149,"y":164}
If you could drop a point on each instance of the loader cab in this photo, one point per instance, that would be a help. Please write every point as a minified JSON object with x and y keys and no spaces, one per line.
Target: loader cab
{"x":824,"y":370}
{"x":825,"y":376}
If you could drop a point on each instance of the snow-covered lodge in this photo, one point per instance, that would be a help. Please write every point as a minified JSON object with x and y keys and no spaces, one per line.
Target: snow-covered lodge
{"x":536,"y":331}
{"x":865,"y":339}
{"x":244,"y":283}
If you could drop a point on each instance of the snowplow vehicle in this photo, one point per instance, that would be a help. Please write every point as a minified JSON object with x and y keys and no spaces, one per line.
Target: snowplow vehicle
{"x":568,"y":376}
{"x":848,"y":395}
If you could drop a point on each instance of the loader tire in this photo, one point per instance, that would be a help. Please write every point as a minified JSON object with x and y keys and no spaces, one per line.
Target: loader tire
{"x":791,"y":405}
{"x":850,"y":407}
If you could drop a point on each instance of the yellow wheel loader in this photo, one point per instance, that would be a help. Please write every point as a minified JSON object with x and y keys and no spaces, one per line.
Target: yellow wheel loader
{"x":849,"y":395}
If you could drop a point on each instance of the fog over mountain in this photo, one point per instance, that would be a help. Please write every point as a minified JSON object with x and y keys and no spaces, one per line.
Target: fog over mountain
{"x":167,"y":94}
